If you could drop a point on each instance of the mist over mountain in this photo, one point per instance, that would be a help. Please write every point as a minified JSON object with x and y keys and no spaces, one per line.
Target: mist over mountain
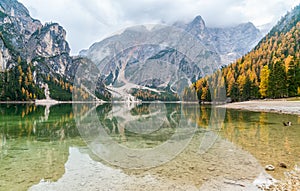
{"x":165,"y":49}
{"x":270,"y":70}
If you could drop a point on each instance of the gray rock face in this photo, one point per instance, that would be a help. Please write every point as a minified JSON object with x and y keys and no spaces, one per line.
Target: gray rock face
{"x":49,"y":43}
{"x":16,"y":28}
{"x":13,"y":12}
{"x":25,"y":37}
{"x":230,"y":42}
{"x":152,"y":56}
{"x":197,"y":28}
{"x":5,"y":57}
{"x":13,"y":8}
{"x":159,"y":57}
{"x":11,"y":28}
{"x":233,"y":42}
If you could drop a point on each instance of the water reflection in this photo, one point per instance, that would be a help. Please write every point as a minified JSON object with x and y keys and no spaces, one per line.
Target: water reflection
{"x":262,"y":134}
{"x":37,"y":142}
{"x":36,"y":121}
{"x":151,"y":123}
{"x":136,"y":137}
{"x":34,"y":143}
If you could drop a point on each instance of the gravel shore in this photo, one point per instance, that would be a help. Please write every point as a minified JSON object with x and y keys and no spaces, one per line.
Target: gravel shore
{"x":276,"y":106}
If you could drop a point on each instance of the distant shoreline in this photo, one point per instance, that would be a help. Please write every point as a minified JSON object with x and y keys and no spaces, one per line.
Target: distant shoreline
{"x":48,"y":102}
{"x":273,"y":106}
{"x":17,"y":102}
{"x":41,"y":102}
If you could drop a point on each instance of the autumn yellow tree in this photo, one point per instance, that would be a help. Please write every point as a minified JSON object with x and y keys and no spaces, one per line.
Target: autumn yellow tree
{"x":29,"y":75}
{"x":20,"y":74}
{"x":264,"y":81}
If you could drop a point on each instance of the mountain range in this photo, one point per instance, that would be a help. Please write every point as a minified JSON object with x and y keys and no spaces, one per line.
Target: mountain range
{"x":155,"y":60}
{"x":270,"y":70}
{"x":188,"y":51}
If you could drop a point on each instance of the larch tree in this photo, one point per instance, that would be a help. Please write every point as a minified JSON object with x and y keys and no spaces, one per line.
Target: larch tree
{"x":264,"y":81}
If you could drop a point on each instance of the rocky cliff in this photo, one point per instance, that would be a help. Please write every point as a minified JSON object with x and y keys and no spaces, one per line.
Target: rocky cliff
{"x":16,"y":27}
{"x":27,"y":44}
{"x":25,"y":37}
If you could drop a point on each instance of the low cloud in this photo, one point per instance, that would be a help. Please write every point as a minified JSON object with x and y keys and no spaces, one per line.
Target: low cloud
{"x":89,"y":21}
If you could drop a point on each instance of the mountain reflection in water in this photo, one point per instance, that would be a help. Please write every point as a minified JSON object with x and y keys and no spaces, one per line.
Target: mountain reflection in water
{"x":36,"y":142}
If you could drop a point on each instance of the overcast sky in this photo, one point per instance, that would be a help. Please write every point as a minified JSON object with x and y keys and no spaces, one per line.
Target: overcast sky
{"x":89,"y":21}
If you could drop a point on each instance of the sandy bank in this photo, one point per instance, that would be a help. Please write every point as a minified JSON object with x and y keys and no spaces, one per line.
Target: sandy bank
{"x":276,"y":106}
{"x":45,"y":102}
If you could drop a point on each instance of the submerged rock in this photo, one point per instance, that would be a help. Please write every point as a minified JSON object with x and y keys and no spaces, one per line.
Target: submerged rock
{"x":269,"y":168}
{"x":282,"y":165}
{"x":288,"y":123}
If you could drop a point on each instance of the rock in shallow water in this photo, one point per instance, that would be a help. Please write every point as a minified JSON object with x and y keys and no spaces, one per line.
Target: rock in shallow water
{"x":282,"y":165}
{"x":269,"y":167}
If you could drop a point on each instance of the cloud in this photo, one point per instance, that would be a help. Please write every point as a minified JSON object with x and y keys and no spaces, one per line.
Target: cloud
{"x":89,"y":21}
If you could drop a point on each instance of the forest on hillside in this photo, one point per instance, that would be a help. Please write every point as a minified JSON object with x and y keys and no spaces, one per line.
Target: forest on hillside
{"x":270,"y":70}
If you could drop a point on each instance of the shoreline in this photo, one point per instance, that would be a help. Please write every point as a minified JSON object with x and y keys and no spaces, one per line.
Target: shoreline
{"x":52,"y":101}
{"x":272,"y":106}
{"x":46,"y":102}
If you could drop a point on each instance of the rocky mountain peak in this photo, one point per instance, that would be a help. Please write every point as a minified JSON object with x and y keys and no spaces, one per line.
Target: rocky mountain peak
{"x":13,"y":8}
{"x":49,"y":41}
{"x":249,"y":26}
{"x":125,"y":68}
{"x":14,"y":16}
{"x":197,"y":27}
{"x":233,"y":42}
{"x":54,"y":29}
{"x":198,"y":21}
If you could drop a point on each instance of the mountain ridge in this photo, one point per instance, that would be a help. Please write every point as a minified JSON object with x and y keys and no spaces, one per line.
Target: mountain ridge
{"x":42,"y":49}
{"x":211,"y":48}
{"x":270,"y":70}
{"x":197,"y":27}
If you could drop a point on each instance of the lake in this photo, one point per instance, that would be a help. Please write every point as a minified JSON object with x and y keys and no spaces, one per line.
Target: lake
{"x":150,"y":146}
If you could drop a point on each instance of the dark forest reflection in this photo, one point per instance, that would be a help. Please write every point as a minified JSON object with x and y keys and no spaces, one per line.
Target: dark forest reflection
{"x":34,"y":143}
{"x":37,"y":121}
